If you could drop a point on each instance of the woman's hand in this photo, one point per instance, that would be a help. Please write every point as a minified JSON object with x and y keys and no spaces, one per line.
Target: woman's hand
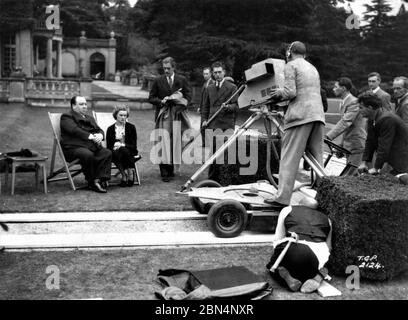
{"x":117,"y":145}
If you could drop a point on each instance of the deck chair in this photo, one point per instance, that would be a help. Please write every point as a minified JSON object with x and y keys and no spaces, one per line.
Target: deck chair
{"x":69,"y":169}
{"x":104,"y":120}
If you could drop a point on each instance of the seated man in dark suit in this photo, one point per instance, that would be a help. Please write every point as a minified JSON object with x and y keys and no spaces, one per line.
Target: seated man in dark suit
{"x":81,"y":139}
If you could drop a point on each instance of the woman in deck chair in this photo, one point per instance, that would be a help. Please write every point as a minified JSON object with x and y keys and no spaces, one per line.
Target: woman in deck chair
{"x":121,"y":139}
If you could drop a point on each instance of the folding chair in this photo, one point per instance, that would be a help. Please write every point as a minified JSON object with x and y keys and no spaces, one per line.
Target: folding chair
{"x":71,"y":169}
{"x":104,"y":120}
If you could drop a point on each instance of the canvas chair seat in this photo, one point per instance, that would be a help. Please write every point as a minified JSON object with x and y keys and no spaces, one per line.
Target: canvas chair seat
{"x":104,"y":121}
{"x":68,"y":169}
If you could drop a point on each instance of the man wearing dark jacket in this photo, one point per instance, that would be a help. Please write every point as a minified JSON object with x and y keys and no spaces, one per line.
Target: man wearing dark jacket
{"x":216,"y":95}
{"x":169,"y":112}
{"x":81,"y":138}
{"x":388,"y":137}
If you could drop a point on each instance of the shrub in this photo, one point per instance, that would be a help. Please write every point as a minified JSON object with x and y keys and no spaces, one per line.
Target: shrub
{"x":370,"y":220}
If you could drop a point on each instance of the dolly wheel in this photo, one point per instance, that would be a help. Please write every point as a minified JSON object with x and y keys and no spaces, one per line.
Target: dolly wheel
{"x":227,"y":218}
{"x":196,"y":203}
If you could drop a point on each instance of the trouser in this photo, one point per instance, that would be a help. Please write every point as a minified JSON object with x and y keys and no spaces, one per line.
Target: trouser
{"x":95,"y":164}
{"x":355,"y":159}
{"x":166,"y":170}
{"x":299,"y":260}
{"x":215,"y":168}
{"x":295,"y":141}
{"x":123,"y":158}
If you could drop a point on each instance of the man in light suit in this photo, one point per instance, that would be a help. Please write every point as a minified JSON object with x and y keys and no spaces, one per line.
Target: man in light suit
{"x":168,"y":111}
{"x":352,"y":123}
{"x":303,"y":121}
{"x":400,"y":88}
{"x":374,"y":80}
{"x":216,"y":95}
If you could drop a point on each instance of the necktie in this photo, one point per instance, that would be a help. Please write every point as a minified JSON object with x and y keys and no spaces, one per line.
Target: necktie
{"x":218,"y":85}
{"x":170,"y":81}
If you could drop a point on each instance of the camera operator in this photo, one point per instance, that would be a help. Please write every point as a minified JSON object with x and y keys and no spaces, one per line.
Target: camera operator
{"x":303,"y":121}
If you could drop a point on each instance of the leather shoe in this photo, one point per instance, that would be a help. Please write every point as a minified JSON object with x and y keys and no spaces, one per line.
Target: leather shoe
{"x":166,"y":179}
{"x":293,"y":283}
{"x":123,"y":183}
{"x":274,"y":204}
{"x":98,"y":188}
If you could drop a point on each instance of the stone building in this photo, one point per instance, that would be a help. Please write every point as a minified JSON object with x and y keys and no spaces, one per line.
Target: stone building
{"x":52,"y":69}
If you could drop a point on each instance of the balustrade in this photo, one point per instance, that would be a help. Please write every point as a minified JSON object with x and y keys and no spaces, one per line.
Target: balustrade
{"x":4,"y":88}
{"x":52,"y":88}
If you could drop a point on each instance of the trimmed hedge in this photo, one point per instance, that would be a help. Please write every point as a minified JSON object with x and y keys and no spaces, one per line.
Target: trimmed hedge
{"x":370,"y":224}
{"x":229,"y":174}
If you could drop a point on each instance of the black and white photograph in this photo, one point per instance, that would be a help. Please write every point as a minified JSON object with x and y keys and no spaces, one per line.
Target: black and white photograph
{"x":233,"y":152}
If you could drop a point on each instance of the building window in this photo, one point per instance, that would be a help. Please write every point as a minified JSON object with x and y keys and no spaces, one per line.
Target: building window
{"x":8,"y":54}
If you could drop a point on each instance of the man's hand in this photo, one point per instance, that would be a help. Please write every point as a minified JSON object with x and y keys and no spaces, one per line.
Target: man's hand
{"x":276,"y":93}
{"x":204,"y":124}
{"x":229,"y":107}
{"x":374,"y":171}
{"x":362,"y":168}
{"x":164,"y":100}
{"x":98,"y":138}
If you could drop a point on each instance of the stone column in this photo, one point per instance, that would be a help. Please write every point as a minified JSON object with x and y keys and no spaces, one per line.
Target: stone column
{"x":49,"y":58}
{"x":59,"y":59}
{"x":1,"y":65}
{"x":110,"y":64}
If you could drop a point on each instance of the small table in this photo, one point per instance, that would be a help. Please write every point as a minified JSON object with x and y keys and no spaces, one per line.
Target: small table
{"x":38,"y":161}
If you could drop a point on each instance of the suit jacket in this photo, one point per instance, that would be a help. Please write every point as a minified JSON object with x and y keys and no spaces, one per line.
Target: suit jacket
{"x":130,"y":138}
{"x":401,"y":108}
{"x":160,"y":89}
{"x":203,"y":90}
{"x":302,"y":89}
{"x":213,"y":99}
{"x":385,"y":100}
{"x":75,"y":131}
{"x":352,"y":125}
{"x":389,"y":137}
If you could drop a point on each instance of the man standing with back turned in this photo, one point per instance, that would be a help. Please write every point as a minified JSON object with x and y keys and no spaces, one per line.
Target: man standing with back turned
{"x":303,"y":121}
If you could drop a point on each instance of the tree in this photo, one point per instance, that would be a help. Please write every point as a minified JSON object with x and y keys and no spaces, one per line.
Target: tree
{"x":79,"y":15}
{"x":379,"y":38}
{"x":242,"y":32}
{"x":16,"y":15}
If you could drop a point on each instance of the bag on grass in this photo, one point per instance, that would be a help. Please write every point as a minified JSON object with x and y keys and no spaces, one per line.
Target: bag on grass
{"x":231,"y":282}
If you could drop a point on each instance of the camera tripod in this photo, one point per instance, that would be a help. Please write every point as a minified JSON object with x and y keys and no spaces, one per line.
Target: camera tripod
{"x":271,"y":116}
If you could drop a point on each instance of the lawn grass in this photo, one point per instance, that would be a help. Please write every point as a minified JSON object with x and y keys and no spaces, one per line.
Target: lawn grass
{"x":131,"y":274}
{"x":28,"y":127}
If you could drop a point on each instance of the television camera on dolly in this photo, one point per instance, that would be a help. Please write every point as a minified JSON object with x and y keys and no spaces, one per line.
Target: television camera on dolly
{"x":231,"y":209}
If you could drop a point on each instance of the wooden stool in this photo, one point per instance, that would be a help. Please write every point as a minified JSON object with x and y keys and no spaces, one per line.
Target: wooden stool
{"x":38,"y":161}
